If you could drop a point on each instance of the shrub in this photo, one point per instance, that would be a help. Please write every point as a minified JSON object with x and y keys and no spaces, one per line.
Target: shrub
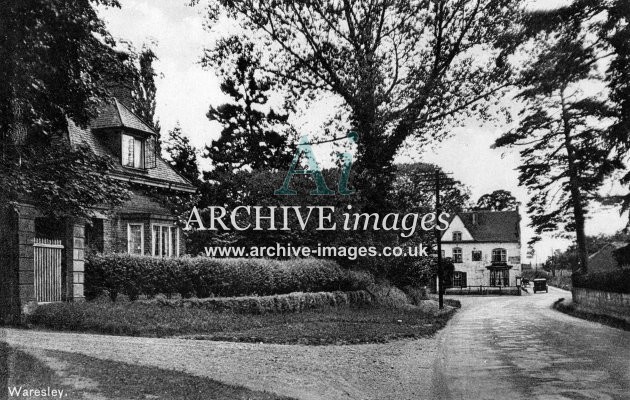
{"x":609,"y":281}
{"x":293,"y":302}
{"x":202,"y":277}
{"x":535,"y":274}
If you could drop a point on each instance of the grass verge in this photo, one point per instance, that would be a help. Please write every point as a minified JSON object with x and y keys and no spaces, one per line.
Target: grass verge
{"x":568,"y":307}
{"x":329,"y":325}
{"x":87,"y":377}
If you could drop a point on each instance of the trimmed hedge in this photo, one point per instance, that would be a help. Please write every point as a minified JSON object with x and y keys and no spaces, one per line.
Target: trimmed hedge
{"x":293,"y":302}
{"x":610,"y":281}
{"x":211,"y":277}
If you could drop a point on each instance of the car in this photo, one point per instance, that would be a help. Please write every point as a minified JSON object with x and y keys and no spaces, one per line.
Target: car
{"x":540,"y":284}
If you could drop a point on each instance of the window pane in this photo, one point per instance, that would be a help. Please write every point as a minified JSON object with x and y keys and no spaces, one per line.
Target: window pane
{"x":135,"y":239}
{"x":137,"y":153}
{"x":156,"y":240}
{"x":127,"y":151}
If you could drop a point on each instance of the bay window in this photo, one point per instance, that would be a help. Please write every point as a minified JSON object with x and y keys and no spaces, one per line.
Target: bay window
{"x":165,"y":241}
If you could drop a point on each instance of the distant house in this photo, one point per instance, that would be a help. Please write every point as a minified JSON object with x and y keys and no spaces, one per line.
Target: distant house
{"x":605,"y":260}
{"x":42,"y":260}
{"x":485,"y":247}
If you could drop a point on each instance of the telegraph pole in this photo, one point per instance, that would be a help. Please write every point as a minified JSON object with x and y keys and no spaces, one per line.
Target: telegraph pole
{"x":438,"y":238}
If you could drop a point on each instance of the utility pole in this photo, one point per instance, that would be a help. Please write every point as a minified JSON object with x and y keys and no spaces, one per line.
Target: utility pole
{"x":438,"y":238}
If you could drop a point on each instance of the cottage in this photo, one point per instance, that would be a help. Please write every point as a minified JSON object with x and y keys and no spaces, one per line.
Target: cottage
{"x":485,"y":247}
{"x":42,"y":260}
{"x":605,"y":258}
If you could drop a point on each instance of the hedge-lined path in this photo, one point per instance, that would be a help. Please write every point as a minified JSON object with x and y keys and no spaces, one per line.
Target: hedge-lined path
{"x":520,"y":348}
{"x":397,"y":370}
{"x":494,"y":348}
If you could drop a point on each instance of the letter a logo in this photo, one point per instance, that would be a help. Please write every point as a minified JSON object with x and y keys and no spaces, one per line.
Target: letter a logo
{"x":304,"y":147}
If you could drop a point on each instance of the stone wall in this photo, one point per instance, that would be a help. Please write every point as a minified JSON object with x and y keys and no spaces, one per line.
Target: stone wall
{"x":615,"y":305}
{"x":9,"y":299}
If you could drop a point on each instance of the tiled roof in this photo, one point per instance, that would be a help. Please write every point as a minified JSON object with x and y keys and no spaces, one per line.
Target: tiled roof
{"x":117,"y":115}
{"x":492,"y":226}
{"x":101,"y":144}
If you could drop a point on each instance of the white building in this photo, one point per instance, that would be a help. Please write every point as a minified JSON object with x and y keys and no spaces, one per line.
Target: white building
{"x":485,"y":247}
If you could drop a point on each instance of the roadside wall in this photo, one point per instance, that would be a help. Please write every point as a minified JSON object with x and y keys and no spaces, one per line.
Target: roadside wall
{"x":616,"y":305}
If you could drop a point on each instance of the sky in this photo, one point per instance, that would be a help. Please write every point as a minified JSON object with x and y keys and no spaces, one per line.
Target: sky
{"x":186,"y":91}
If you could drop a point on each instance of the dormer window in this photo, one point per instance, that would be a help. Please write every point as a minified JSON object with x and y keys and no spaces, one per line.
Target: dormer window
{"x":132,"y":152}
{"x":138,"y":152}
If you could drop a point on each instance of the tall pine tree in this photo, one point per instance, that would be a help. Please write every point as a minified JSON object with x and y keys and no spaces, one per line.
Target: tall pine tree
{"x":182,"y":156}
{"x":254,"y":136}
{"x":565,"y":157}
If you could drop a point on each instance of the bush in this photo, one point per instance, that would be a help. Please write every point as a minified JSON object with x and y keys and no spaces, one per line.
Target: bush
{"x":202,"y":277}
{"x":532,"y":274}
{"x":293,"y":302}
{"x":609,"y":281}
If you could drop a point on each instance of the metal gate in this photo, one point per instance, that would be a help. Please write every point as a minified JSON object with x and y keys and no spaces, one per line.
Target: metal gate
{"x":47,"y":270}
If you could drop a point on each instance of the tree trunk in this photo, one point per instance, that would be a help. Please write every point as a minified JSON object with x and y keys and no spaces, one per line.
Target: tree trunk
{"x":574,"y":186}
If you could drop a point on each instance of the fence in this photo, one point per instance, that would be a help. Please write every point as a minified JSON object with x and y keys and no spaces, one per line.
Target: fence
{"x":485,"y":290}
{"x":47,"y":274}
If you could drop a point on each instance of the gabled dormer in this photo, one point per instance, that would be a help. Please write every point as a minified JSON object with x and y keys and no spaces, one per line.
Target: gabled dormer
{"x":127,"y":136}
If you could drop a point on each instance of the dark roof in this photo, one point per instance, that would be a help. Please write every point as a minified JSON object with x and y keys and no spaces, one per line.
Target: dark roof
{"x":116,"y":115}
{"x":492,"y":226}
{"x":101,"y":143}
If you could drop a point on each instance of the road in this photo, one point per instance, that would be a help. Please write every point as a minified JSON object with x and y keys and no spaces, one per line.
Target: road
{"x":494,"y":348}
{"x":519,"y":348}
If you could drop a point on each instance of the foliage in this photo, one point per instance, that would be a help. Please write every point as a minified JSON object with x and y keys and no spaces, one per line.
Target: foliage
{"x":252,"y":137}
{"x":55,"y":57}
{"x":293,"y":302}
{"x":413,"y":190}
{"x":401,"y":69}
{"x":499,"y":200}
{"x":568,"y":259}
{"x":312,"y":327}
{"x":43,"y":178}
{"x":182,"y":156}
{"x":610,"y":281}
{"x":206,"y":277}
{"x":144,"y":90}
{"x":564,"y":157}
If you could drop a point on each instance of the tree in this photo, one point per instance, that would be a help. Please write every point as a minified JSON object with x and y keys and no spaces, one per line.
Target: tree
{"x":182,"y":156}
{"x":499,"y":200}
{"x":144,"y":90}
{"x":403,"y":69}
{"x":412,"y":192}
{"x":605,"y":26}
{"x":564,"y":158}
{"x":252,"y":136}
{"x":55,"y":57}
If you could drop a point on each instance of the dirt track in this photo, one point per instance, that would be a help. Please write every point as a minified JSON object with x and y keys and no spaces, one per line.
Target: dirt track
{"x":398,"y":370}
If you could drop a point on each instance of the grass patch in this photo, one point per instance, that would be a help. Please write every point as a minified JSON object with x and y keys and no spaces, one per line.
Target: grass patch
{"x":114,"y":380}
{"x":350,"y":324}
{"x":568,"y":307}
{"x":21,"y":369}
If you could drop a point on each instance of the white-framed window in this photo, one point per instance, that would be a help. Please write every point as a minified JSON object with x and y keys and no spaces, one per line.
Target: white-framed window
{"x":457,"y":255}
{"x":135,"y":239}
{"x":165,"y":240}
{"x":499,"y":255}
{"x":132,"y":152}
{"x":457,"y":236}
